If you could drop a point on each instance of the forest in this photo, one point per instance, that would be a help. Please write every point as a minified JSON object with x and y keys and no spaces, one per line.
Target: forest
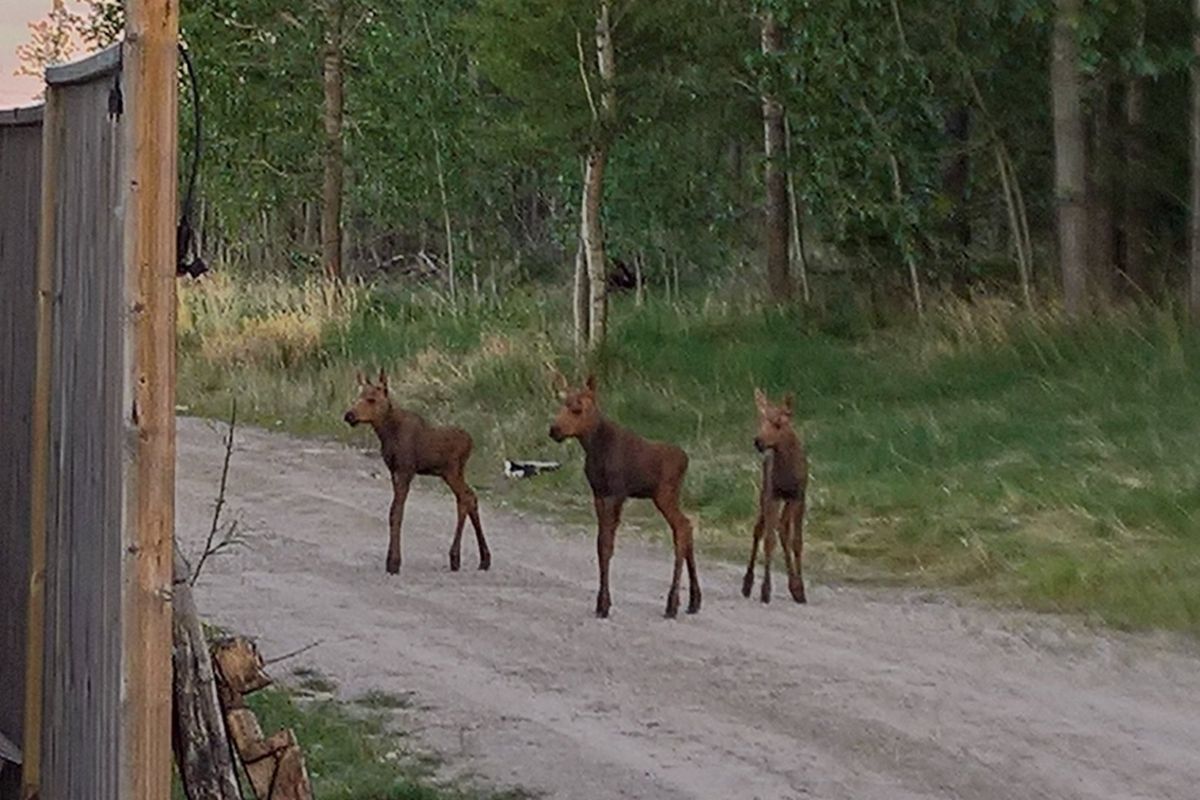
{"x":815,"y":151}
{"x":966,"y":234}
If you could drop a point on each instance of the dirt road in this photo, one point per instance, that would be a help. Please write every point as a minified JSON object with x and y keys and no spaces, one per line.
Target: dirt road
{"x":861,"y":695}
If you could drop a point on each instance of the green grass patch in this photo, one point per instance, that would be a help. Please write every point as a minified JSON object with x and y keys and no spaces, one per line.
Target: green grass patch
{"x":1038,"y":462}
{"x":352,"y":754}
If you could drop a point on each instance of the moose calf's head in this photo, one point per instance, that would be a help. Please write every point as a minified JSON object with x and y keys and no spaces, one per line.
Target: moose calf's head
{"x":372,"y":403}
{"x":774,"y":421}
{"x":579,"y":414}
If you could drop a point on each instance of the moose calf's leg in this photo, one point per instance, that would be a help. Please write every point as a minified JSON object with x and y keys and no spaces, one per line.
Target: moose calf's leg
{"x":395,"y":520}
{"x":770,"y":522}
{"x":796,"y":584}
{"x":608,"y":514}
{"x":668,"y":504}
{"x":786,"y":531}
{"x":748,"y":581}
{"x":693,"y":577}
{"x":462,"y":496}
{"x":485,"y":555}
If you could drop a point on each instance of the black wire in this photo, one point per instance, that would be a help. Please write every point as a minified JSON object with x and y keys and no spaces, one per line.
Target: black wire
{"x":184,"y":234}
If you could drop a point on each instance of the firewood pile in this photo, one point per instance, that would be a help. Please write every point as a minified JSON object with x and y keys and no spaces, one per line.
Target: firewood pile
{"x":274,"y":764}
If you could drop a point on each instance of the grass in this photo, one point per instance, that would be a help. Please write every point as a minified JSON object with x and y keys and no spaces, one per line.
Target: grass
{"x":353,"y":751}
{"x":1037,"y":462}
{"x":352,"y":755}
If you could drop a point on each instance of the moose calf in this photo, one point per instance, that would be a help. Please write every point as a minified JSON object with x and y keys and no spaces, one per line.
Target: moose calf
{"x":411,"y":446}
{"x":784,"y":480}
{"x":619,"y":464}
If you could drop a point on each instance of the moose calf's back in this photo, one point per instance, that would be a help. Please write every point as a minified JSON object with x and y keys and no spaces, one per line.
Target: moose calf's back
{"x":410,"y":444}
{"x":620,"y":463}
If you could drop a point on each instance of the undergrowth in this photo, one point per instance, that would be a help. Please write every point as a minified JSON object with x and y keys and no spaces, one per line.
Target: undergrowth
{"x":1051,"y":464}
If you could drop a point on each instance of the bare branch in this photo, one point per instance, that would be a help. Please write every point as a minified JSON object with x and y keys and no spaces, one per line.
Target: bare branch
{"x":294,"y":653}
{"x":900,"y":27}
{"x":587,"y":86}
{"x":228,"y":539}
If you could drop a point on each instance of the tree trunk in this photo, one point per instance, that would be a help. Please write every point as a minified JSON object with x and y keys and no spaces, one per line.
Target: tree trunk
{"x":797,"y":232}
{"x":779,"y":283}
{"x":640,"y":286}
{"x":1194,"y":254}
{"x":331,"y":207}
{"x":591,"y":235}
{"x":447,"y":228}
{"x":1007,"y":187}
{"x":591,"y":229}
{"x":1101,"y":189}
{"x":1070,"y":156}
{"x":1134,"y":242}
{"x":956,"y":173}
{"x":201,"y":743}
{"x":581,"y":305}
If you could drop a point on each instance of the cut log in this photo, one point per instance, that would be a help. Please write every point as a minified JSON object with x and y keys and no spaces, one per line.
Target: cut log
{"x":274,"y":764}
{"x":198,"y":728}
{"x":239,"y":666}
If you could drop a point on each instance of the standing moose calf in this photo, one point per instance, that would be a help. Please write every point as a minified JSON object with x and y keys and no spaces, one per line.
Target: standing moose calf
{"x":784,"y":481}
{"x":619,"y":464}
{"x":411,"y":446}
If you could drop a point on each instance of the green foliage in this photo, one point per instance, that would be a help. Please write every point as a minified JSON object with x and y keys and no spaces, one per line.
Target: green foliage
{"x":490,"y":97}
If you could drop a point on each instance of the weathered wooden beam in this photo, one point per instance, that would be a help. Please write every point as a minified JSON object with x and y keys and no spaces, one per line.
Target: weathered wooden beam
{"x":39,"y":465}
{"x":150,"y":95}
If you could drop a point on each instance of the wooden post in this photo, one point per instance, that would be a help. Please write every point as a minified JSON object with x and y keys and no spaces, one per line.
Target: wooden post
{"x":149,"y":76}
{"x":31,"y":768}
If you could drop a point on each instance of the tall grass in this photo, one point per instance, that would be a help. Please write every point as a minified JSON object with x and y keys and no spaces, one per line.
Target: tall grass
{"x":1047,"y":463}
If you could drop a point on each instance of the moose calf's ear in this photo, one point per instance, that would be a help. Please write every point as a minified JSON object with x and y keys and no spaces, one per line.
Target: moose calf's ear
{"x":360,"y":378}
{"x":558,"y":380}
{"x":789,"y":401}
{"x":591,"y":383}
{"x":382,"y":379}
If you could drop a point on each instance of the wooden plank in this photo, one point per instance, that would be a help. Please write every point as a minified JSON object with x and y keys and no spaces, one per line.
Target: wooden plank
{"x":39,"y":456}
{"x":81,"y":691}
{"x":86,"y":70}
{"x":20,"y":174}
{"x":21,"y":115}
{"x":149,"y":76}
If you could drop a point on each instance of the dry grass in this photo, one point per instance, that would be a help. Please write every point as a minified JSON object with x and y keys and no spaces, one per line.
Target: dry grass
{"x":266,"y":321}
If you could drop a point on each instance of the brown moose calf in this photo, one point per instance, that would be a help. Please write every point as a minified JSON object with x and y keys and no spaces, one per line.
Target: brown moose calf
{"x":784,"y":481}
{"x":619,"y":464}
{"x":410,"y":447}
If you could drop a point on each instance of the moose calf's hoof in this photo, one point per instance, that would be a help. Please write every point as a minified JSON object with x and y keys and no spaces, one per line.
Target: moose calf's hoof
{"x":765,"y":595}
{"x":694,"y":605}
{"x":797,"y":590}
{"x":455,"y":562}
{"x":747,"y":585}
{"x":393,"y":567}
{"x":485,"y":562}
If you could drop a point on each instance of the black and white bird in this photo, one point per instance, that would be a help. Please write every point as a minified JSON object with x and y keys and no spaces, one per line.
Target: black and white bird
{"x":527,"y":469}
